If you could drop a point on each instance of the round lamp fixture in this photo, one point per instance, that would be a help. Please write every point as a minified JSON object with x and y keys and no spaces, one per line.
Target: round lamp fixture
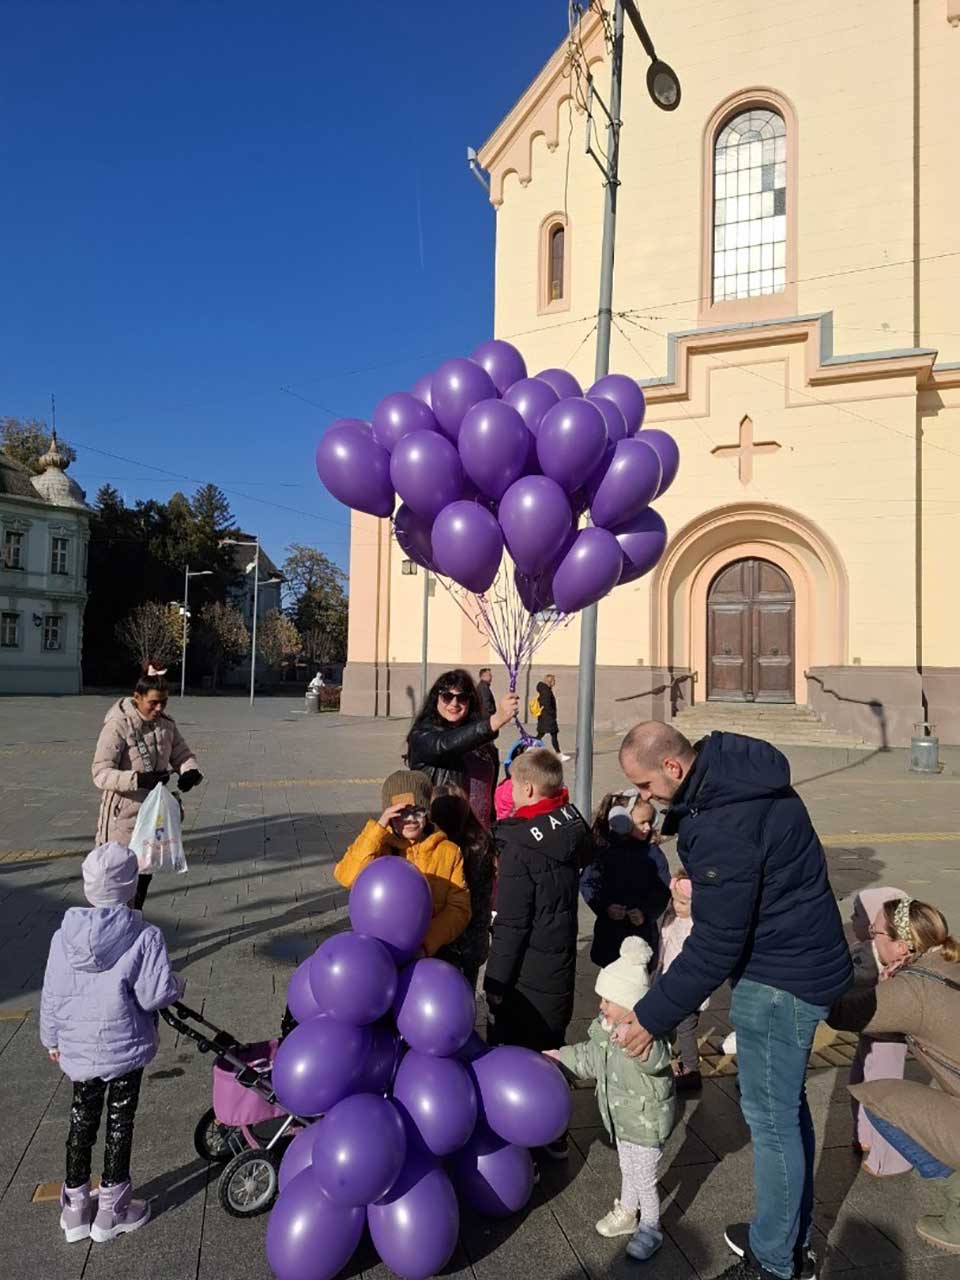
{"x":663,"y":85}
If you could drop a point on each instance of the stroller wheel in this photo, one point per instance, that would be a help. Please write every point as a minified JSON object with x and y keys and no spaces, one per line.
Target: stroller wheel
{"x":212,"y":1139}
{"x":248,"y":1185}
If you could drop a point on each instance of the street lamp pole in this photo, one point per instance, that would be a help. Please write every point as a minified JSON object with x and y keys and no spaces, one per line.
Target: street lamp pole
{"x":253,"y":636}
{"x":187,"y":575}
{"x":664,"y":89}
{"x":425,"y":635}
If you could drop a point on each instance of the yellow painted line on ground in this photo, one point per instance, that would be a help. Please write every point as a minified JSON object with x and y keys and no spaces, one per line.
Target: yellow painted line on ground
{"x":307,"y":782}
{"x":41,"y":855}
{"x":890,"y":837}
{"x":14,"y":1015}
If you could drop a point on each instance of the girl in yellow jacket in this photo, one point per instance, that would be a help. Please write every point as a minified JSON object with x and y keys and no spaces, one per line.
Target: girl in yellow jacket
{"x":404,"y":829}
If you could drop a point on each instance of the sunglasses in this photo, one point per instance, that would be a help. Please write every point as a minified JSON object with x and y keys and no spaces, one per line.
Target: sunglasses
{"x":412,"y":811}
{"x":447,"y":696}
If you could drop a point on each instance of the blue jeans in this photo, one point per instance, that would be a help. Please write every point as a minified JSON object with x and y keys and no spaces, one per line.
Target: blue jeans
{"x":775,"y":1033}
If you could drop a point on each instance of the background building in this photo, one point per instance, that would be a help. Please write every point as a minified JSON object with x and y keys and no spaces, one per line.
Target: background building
{"x":787,"y":275}
{"x":44,"y":527}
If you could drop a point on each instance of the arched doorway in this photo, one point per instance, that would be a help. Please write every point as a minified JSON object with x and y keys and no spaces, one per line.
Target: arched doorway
{"x":750,"y":634}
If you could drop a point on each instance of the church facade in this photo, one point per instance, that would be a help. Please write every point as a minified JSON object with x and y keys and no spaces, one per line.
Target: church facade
{"x":786,"y":290}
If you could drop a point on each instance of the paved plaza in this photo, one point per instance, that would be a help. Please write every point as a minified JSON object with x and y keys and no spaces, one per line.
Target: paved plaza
{"x":284,"y":794}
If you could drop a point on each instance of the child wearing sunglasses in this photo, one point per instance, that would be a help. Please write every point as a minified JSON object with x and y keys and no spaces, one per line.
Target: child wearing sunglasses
{"x":405,"y":829}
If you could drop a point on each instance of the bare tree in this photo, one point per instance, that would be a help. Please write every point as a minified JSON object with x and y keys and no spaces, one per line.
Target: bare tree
{"x":223,"y":635}
{"x":153,"y":631}
{"x":277,"y":638}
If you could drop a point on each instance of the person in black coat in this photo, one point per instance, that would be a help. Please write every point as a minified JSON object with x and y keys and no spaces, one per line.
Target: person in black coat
{"x":531,"y":968}
{"x":764,"y":917}
{"x":547,"y":724}
{"x":450,"y":740}
{"x":627,"y":883}
{"x":488,"y":701}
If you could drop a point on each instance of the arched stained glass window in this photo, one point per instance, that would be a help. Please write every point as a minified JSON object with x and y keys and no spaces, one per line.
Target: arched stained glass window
{"x":556,"y":251}
{"x":750,"y":206}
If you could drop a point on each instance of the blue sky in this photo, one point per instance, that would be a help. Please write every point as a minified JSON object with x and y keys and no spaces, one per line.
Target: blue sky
{"x":205,"y":202}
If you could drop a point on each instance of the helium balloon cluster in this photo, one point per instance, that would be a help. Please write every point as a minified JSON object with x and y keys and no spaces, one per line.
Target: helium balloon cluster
{"x":485,"y":459}
{"x":416,"y":1112}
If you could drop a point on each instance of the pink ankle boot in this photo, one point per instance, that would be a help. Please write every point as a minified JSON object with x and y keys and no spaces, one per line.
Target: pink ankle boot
{"x":117,"y":1213}
{"x":76,"y":1212}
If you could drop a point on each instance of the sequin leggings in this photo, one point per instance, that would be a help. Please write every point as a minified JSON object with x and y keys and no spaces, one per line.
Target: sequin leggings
{"x":638,"y":1171}
{"x":122,"y":1096}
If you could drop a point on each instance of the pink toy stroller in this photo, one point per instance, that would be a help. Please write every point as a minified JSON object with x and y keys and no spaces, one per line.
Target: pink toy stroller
{"x":243,"y":1099}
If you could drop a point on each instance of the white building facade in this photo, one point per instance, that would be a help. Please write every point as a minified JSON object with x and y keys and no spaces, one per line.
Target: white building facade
{"x":44,"y":533}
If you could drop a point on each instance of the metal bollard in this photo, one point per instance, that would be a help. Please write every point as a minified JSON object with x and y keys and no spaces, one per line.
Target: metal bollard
{"x":924,"y":749}
{"x":312,"y":702}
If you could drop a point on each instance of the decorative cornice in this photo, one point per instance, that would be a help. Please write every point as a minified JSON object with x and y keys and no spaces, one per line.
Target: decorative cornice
{"x":822,"y":367}
{"x":509,"y":149}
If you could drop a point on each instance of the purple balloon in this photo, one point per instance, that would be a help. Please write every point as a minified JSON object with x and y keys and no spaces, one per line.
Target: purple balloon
{"x":631,"y":482}
{"x":360,"y":1151}
{"x":626,"y":394}
{"x":524,"y":1096}
{"x":503,"y":362}
{"x":426,"y":472}
{"x":493,"y":446}
{"x":589,"y":570}
{"x":412,"y":532}
{"x":353,"y":978}
{"x":415,"y":1228}
{"x":456,"y":387}
{"x":531,"y":397}
{"x":390,"y":900}
{"x":300,"y":1000}
{"x":535,"y":517}
{"x":492,"y":1176}
{"x":535,"y":590}
{"x":666,"y":447}
{"x":318,"y":1064}
{"x":616,"y":423}
{"x":355,"y":469}
{"x":421,"y":389}
{"x":473,"y":1049}
{"x":397,"y":415}
{"x":563,"y":383}
{"x":435,"y":1008}
{"x":376,"y":1075}
{"x":299,"y":1155}
{"x":439,"y":1099}
{"x":308,"y":1237}
{"x":467,"y":545}
{"x":571,"y":442}
{"x":642,"y":541}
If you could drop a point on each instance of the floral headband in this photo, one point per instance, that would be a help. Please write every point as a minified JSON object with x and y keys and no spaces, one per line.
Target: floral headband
{"x":901,"y":921}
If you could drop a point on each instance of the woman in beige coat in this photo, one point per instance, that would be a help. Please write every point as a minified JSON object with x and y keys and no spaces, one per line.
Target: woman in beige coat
{"x":139,"y":746}
{"x":921,"y":1002}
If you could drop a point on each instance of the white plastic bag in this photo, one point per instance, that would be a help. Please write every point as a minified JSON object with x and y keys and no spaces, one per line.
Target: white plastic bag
{"x":156,"y":838}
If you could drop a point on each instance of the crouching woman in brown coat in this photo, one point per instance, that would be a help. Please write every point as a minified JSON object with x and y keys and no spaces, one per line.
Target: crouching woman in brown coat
{"x":922,"y":1003}
{"x":139,"y":746}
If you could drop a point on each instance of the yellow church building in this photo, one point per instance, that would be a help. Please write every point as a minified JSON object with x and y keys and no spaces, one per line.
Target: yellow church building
{"x":787,"y":291}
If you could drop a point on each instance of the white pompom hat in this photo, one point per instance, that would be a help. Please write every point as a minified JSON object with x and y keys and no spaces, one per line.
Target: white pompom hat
{"x":626,"y":981}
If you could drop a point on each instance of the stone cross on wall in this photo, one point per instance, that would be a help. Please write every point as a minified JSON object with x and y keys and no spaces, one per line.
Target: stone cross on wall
{"x":745,"y":450}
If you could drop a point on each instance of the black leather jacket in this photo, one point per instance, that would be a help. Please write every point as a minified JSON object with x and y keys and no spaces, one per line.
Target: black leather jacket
{"x":439,"y":751}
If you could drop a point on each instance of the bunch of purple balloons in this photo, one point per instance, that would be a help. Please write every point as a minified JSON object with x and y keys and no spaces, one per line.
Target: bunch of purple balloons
{"x":415,"y":1108}
{"x":484,"y":458}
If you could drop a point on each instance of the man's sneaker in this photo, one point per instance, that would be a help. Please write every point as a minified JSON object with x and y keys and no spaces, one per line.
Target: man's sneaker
{"x":558,"y":1150}
{"x":729,"y":1045}
{"x":737,"y":1236}
{"x":644,"y":1243}
{"x":618,"y":1222}
{"x":564,"y":757}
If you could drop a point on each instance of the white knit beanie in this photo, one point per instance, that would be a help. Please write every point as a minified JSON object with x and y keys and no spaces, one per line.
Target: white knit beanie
{"x":626,"y":980}
{"x":110,"y":875}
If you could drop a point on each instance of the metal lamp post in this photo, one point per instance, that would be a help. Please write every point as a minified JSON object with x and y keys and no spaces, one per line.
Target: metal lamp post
{"x":664,"y":89}
{"x":187,"y":575}
{"x":255,"y":566}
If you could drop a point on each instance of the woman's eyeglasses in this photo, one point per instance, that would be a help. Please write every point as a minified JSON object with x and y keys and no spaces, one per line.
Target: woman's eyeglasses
{"x":448,"y":696}
{"x":885,"y":933}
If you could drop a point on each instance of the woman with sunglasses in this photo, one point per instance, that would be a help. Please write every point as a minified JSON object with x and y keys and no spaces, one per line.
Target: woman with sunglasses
{"x":139,"y":746}
{"x":920,"y":1000}
{"x":450,"y":739}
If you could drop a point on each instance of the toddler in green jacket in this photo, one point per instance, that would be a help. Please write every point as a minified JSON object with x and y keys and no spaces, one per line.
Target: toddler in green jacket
{"x":636,"y":1099}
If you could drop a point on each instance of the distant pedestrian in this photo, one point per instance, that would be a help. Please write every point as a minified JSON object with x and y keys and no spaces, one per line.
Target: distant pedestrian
{"x":139,"y":746}
{"x":547,"y":723}
{"x":488,"y":701}
{"x":107,"y":974}
{"x":450,"y":739}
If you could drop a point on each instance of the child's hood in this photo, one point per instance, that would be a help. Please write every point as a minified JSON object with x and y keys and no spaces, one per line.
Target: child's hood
{"x":94,"y":938}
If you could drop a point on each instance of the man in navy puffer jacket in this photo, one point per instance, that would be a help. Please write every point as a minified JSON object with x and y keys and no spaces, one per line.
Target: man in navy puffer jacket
{"x":764,"y":917}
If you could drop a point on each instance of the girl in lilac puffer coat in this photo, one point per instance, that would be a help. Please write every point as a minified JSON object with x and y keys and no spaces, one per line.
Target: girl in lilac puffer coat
{"x":107,"y":974}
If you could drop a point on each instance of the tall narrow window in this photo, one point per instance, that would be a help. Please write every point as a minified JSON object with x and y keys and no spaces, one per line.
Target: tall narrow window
{"x":750,"y":206}
{"x":53,"y":632}
{"x":58,"y":555}
{"x":12,"y":549}
{"x":557,"y":248}
{"x":9,"y":630}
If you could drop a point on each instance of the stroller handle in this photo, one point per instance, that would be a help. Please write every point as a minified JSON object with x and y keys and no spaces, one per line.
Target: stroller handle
{"x":179,"y":1016}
